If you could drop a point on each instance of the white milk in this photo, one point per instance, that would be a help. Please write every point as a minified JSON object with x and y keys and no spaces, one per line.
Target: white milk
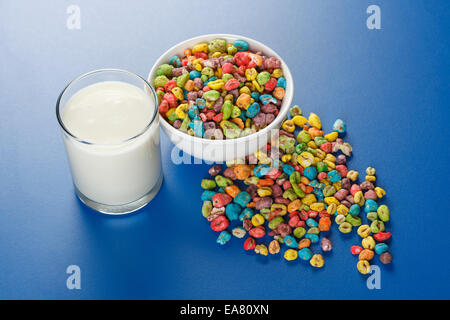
{"x":111,"y":170}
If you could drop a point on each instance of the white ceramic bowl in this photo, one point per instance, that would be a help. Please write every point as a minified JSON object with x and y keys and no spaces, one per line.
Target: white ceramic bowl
{"x":227,"y":149}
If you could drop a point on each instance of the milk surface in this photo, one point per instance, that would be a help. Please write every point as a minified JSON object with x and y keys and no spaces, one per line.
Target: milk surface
{"x":112,"y":168}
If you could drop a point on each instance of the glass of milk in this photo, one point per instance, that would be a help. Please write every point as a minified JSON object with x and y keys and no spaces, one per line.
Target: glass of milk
{"x":110,"y":126}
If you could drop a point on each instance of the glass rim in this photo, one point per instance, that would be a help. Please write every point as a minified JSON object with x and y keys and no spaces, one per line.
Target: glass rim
{"x":67,"y":131}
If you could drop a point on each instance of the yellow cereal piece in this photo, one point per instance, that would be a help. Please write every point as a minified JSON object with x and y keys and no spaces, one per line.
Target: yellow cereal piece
{"x":261,"y":249}
{"x":277,"y":73}
{"x":290,"y":254}
{"x":299,"y":121}
{"x":380,"y":192}
{"x":257,"y":86}
{"x":306,"y":159}
{"x":363,"y":266}
{"x":331,"y":136}
{"x":181,"y":110}
{"x":320,"y":154}
{"x":198,"y":66}
{"x":178,"y":93}
{"x":330,"y":200}
{"x":264,"y":191}
{"x":288,"y":125}
{"x":368,"y":243}
{"x":314,"y":121}
{"x":218,"y":73}
{"x":277,"y":207}
{"x":330,"y":158}
{"x":200,"y":47}
{"x":216,"y":54}
{"x":258,"y":220}
{"x":341,"y":209}
{"x":364,"y":231}
{"x":338,"y":185}
{"x":245,"y":90}
{"x":317,"y":261}
{"x":371,"y":178}
{"x":329,"y":164}
{"x":250,"y":74}
{"x":359,"y":198}
{"x":317,"y":206}
{"x":331,"y":209}
{"x":309,"y":199}
{"x":312,"y":144}
{"x":286,"y":158}
{"x":216,"y":84}
{"x":370,"y":171}
{"x":352,"y":175}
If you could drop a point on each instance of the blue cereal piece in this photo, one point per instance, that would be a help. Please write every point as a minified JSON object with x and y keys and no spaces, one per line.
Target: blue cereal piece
{"x":232,"y":210}
{"x":381,"y":248}
{"x":281,"y":82}
{"x":194,"y":74}
{"x":305,"y":254}
{"x":310,"y":173}
{"x":290,"y":242}
{"x":334,"y":176}
{"x":312,"y":223}
{"x":241,"y":45}
{"x":354,"y":209}
{"x":207,"y":195}
{"x":242,"y":199}
{"x":223,"y":237}
{"x":193,"y":111}
{"x":288,"y":169}
{"x":267,"y":98}
{"x":175,"y":61}
{"x":370,"y":206}
{"x":197,"y":126}
{"x":252,"y":110}
{"x":312,"y":237}
{"x":339,"y":126}
{"x":201,"y":103}
{"x":261,"y":170}
{"x":255,"y":95}
{"x":247,"y":213}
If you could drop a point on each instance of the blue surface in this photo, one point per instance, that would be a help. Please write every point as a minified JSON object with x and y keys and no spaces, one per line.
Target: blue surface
{"x":391,"y":86}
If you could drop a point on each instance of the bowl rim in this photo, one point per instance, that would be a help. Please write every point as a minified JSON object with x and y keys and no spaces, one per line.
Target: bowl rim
{"x":271,"y":125}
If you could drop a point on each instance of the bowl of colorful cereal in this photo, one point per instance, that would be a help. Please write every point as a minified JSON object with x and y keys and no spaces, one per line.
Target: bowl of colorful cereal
{"x":221,"y":96}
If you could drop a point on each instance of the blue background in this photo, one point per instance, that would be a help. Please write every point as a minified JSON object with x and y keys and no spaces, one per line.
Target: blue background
{"x":391,"y":86}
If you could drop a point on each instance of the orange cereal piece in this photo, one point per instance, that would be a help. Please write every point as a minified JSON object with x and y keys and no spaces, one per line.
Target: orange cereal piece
{"x":304,"y":180}
{"x":232,"y":190}
{"x":324,"y":224}
{"x":304,"y":243}
{"x":242,"y":171}
{"x":314,"y":132}
{"x":239,"y":122}
{"x":251,"y":204}
{"x":294,"y":205}
{"x":187,"y":52}
{"x":265,"y":183}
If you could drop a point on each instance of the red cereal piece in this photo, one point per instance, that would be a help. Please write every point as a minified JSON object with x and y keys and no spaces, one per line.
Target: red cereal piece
{"x":382,"y":236}
{"x":220,"y":223}
{"x":326,"y":147}
{"x":257,"y":232}
{"x":227,"y":68}
{"x":249,"y":243}
{"x":356,"y":250}
{"x":271,"y":84}
{"x":221,"y":199}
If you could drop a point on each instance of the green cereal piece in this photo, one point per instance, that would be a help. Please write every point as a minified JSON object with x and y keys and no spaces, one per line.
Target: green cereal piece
{"x":181,"y":80}
{"x":313,"y":230}
{"x":372,"y":216}
{"x":226,"y":77}
{"x":211,"y":95}
{"x":231,"y":50}
{"x":227,"y":107}
{"x":290,"y":194}
{"x":185,"y":124}
{"x":329,"y":190}
{"x":299,"y":148}
{"x":322,"y":167}
{"x":204,"y":77}
{"x":230,"y":129}
{"x":295,"y":111}
{"x":217,"y":45}
{"x":160,"y":81}
{"x":299,"y":232}
{"x":235,"y":112}
{"x":383,"y":213}
{"x":287,"y":144}
{"x":345,"y":227}
{"x":304,"y":207}
{"x":208,"y":71}
{"x":206,"y":208}
{"x":263,"y":77}
{"x":160,"y":95}
{"x":355,"y":221}
{"x":377,"y":226}
{"x":275,"y":222}
{"x":223,"y":182}
{"x":251,"y":180}
{"x":164,"y":70}
{"x":208,"y":184}
{"x":303,"y":137}
{"x":320,"y":140}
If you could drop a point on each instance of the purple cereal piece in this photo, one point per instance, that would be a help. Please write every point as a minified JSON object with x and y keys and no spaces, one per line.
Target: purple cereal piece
{"x":177,"y":124}
{"x":269,"y":108}
{"x":282,"y":200}
{"x":217,"y":106}
{"x":260,"y":119}
{"x":198,"y":83}
{"x":341,"y":194}
{"x":262,"y":203}
{"x":276,"y":190}
{"x":192,"y":95}
{"x":176,"y":72}
{"x":252,"y":190}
